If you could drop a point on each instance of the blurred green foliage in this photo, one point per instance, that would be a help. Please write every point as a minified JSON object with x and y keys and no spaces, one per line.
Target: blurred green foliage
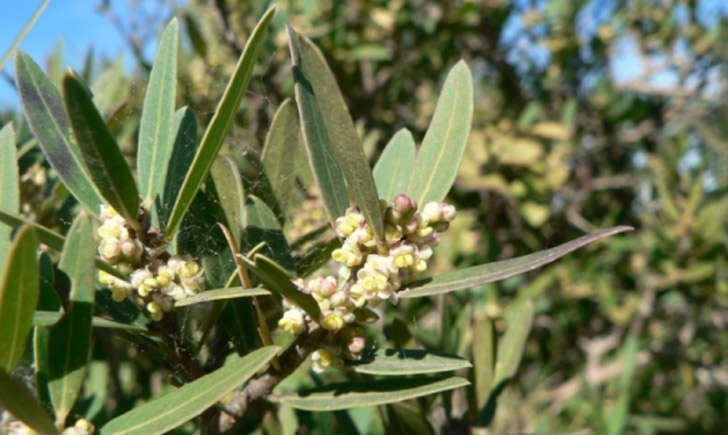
{"x":630,"y":335}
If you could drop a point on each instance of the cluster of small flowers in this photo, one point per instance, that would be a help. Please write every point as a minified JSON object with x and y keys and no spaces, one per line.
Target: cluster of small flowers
{"x":32,"y":186}
{"x":371,"y":270}
{"x":159,"y":283}
{"x":10,"y":426}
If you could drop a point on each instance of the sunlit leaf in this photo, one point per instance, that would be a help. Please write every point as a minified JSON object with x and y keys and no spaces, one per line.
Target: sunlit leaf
{"x":19,"y":402}
{"x":511,"y":345}
{"x":222,"y":293}
{"x":400,"y":362}
{"x":329,"y":133}
{"x":156,"y":128}
{"x":443,"y":147}
{"x":69,"y":340}
{"x":9,"y":186}
{"x":18,"y":297}
{"x":499,"y":270}
{"x":262,"y":226}
{"x":47,"y":118}
{"x":50,"y":318}
{"x":230,"y":193}
{"x":219,"y":125}
{"x":178,"y":406}
{"x":353,"y":395}
{"x":394,"y":167}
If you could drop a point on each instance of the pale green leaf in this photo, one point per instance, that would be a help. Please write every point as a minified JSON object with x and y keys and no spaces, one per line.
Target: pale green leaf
{"x":47,"y":118}
{"x":499,"y":270}
{"x":69,"y":340}
{"x":222,"y":293}
{"x":401,"y":362}
{"x":18,"y":297}
{"x":394,"y":167}
{"x":9,"y":186}
{"x":156,"y":133}
{"x":19,"y":402}
{"x":329,"y":133}
{"x":483,"y":359}
{"x":443,"y":147}
{"x":230,"y":193}
{"x":176,"y":407}
{"x":23,"y":33}
{"x":219,"y":125}
{"x":105,"y":162}
{"x":511,"y":345}
{"x":50,"y":318}
{"x":354,"y":395}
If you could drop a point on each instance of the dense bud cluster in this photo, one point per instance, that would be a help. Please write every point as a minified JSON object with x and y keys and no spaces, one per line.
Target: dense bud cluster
{"x":371,"y":270}
{"x":32,"y":185}
{"x":10,"y":426}
{"x":156,"y":280}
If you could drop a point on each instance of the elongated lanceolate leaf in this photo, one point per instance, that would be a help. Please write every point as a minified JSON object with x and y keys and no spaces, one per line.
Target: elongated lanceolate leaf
{"x":219,"y":125}
{"x":262,"y":226}
{"x":69,"y":340}
{"x":511,"y":345}
{"x":23,"y":33}
{"x":230,"y":193}
{"x":444,"y":144}
{"x":19,"y":402}
{"x":177,"y":407}
{"x":52,"y":239}
{"x":281,"y":148}
{"x":183,"y":152}
{"x":47,"y":118}
{"x":9,"y":186}
{"x":48,"y":300}
{"x":222,"y":293}
{"x":354,"y":395}
{"x":328,"y":127}
{"x":394,"y":167}
{"x":50,"y":318}
{"x":401,"y":362}
{"x":106,"y":165}
{"x":156,"y":133}
{"x":276,"y":279}
{"x":18,"y":297}
{"x":496,"y":271}
{"x":483,"y":359}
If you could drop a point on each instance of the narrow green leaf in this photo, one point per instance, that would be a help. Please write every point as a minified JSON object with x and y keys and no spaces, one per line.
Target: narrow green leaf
{"x":220,"y":124}
{"x":222,"y":293}
{"x":18,"y":297}
{"x":69,"y":340}
{"x":511,"y":345}
{"x":496,"y":271}
{"x":282,"y":142}
{"x":329,"y":129}
{"x":483,"y":359}
{"x":183,"y":152}
{"x":105,"y":162}
{"x":395,"y":166}
{"x":444,"y":144}
{"x":50,"y":301}
{"x":401,"y":362}
{"x":23,"y":33}
{"x":110,"y":87}
{"x":19,"y":402}
{"x":177,"y":407}
{"x":276,"y":279}
{"x":43,"y":108}
{"x":230,"y":193}
{"x":52,"y":239}
{"x":354,"y":395}
{"x":50,"y":318}
{"x":9,"y":186}
{"x":262,"y":226}
{"x":156,"y":133}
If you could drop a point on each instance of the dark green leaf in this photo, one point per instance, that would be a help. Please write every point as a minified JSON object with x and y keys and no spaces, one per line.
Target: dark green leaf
{"x":329,"y":129}
{"x":353,"y":395}
{"x":69,"y":340}
{"x":262,"y":226}
{"x":219,"y":125}
{"x":18,"y":297}
{"x":183,"y":152}
{"x":43,"y":108}
{"x":222,"y":293}
{"x":156,"y":133}
{"x":401,"y":362}
{"x":496,"y":271}
{"x":178,"y":406}
{"x":230,"y":193}
{"x":444,"y":144}
{"x":394,"y":167}
{"x":105,"y":162}
{"x":9,"y":186}
{"x":19,"y":402}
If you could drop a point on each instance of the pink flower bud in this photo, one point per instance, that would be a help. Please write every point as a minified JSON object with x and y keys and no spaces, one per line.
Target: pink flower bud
{"x":357,"y":345}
